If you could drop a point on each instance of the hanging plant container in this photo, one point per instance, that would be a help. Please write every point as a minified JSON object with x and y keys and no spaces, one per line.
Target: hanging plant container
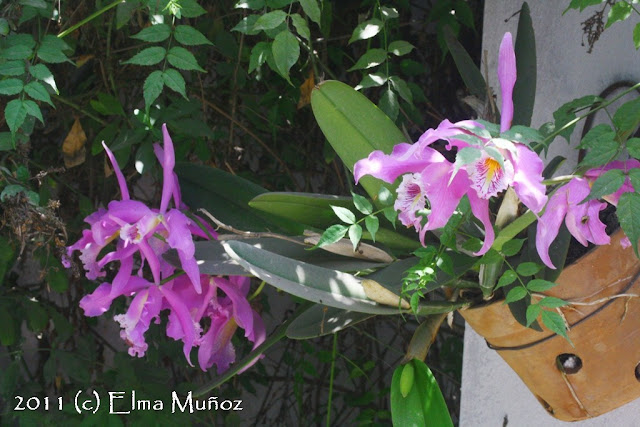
{"x":602,"y":370}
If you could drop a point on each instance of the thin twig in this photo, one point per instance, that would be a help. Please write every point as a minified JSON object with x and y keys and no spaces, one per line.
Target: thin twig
{"x":234,"y":93}
{"x":596,"y":302}
{"x":245,"y":234}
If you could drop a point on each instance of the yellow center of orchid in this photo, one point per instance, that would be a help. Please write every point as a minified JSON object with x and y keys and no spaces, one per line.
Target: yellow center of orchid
{"x":491,"y":166}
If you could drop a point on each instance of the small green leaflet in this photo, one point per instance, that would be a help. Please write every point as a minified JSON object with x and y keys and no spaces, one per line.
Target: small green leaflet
{"x":552,"y":302}
{"x":51,"y":50}
{"x":400,"y":47}
{"x":154,"y":33}
{"x":41,"y":72}
{"x":555,"y":323}
{"x":15,"y":113}
{"x":385,"y":196}
{"x":362,"y":204}
{"x":259,"y":55}
{"x":311,"y":9}
{"x":515,"y":294}
{"x":12,"y":68}
{"x":189,"y":36}
{"x":174,"y":81}
{"x":344,"y":214}
{"x":533,"y":311}
{"x":286,"y":52}
{"x":10,"y":86}
{"x":507,"y":278}
{"x":149,"y":56}
{"x":152,"y":87}
{"x":355,"y":234}
{"x":372,"y":223}
{"x":38,"y":92}
{"x":528,"y":268}
{"x":607,"y":183}
{"x":366,"y":30}
{"x":301,"y":26}
{"x":270,"y":20}
{"x":539,"y":285}
{"x":371,"y":58}
{"x":181,"y":58}
{"x":628,"y":208}
{"x":332,"y":235}
{"x":633,"y":147}
{"x":389,"y":104}
{"x":620,"y":11}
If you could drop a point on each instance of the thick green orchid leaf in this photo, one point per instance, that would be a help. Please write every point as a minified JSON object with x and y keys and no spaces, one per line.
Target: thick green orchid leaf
{"x":416,"y":399}
{"x":354,"y":126}
{"x":524,"y":91}
{"x":227,"y":198}
{"x":471,"y":75}
{"x":307,"y":208}
{"x":212,"y":258}
{"x":313,"y":283}
{"x":321,"y":320}
{"x":314,"y":210}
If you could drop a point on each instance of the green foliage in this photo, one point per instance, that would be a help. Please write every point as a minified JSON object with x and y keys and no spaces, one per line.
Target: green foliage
{"x":416,"y":398}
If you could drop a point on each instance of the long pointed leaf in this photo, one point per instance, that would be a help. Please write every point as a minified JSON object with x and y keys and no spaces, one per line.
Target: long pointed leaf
{"x":354,"y":126}
{"x":322,"y":320}
{"x":213,"y":259}
{"x":227,"y":197}
{"x":321,"y":285}
{"x":314,"y":210}
{"x":471,"y":75}
{"x":524,"y":91}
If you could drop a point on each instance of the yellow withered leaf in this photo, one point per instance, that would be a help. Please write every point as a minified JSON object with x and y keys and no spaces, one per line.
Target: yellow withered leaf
{"x":305,"y":90}
{"x":73,"y":147}
{"x":83,"y":59}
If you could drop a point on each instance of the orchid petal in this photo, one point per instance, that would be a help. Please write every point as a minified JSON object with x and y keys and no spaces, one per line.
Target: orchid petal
{"x":549,"y":225}
{"x":152,"y":259}
{"x":123,"y":276}
{"x":411,"y":198}
{"x":186,"y":322}
{"x":143,"y":309}
{"x":405,"y":158}
{"x":124,"y":191}
{"x":167,"y":166}
{"x":242,"y":312}
{"x":179,"y":238}
{"x":443,"y":197}
{"x":480,"y":209}
{"x":97,"y":302}
{"x":507,"y":77}
{"x":216,"y":347}
{"x":527,"y":179}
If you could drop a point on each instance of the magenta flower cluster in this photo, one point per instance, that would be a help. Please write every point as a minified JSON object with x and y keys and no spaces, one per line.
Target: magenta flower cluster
{"x":429,"y":180}
{"x":204,"y":311}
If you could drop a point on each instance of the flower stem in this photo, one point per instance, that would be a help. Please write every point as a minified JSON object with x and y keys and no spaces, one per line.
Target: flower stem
{"x":552,"y":135}
{"x":333,"y":365}
{"x":89,"y":18}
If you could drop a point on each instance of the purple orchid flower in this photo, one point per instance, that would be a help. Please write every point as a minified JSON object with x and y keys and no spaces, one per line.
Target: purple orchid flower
{"x":581,"y":219}
{"x":139,"y":228}
{"x":135,"y":228}
{"x":625,"y":166}
{"x":429,"y":177}
{"x":225,"y":315}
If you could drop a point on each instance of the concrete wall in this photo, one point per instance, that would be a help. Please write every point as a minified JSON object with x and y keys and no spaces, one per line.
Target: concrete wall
{"x":492,"y":394}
